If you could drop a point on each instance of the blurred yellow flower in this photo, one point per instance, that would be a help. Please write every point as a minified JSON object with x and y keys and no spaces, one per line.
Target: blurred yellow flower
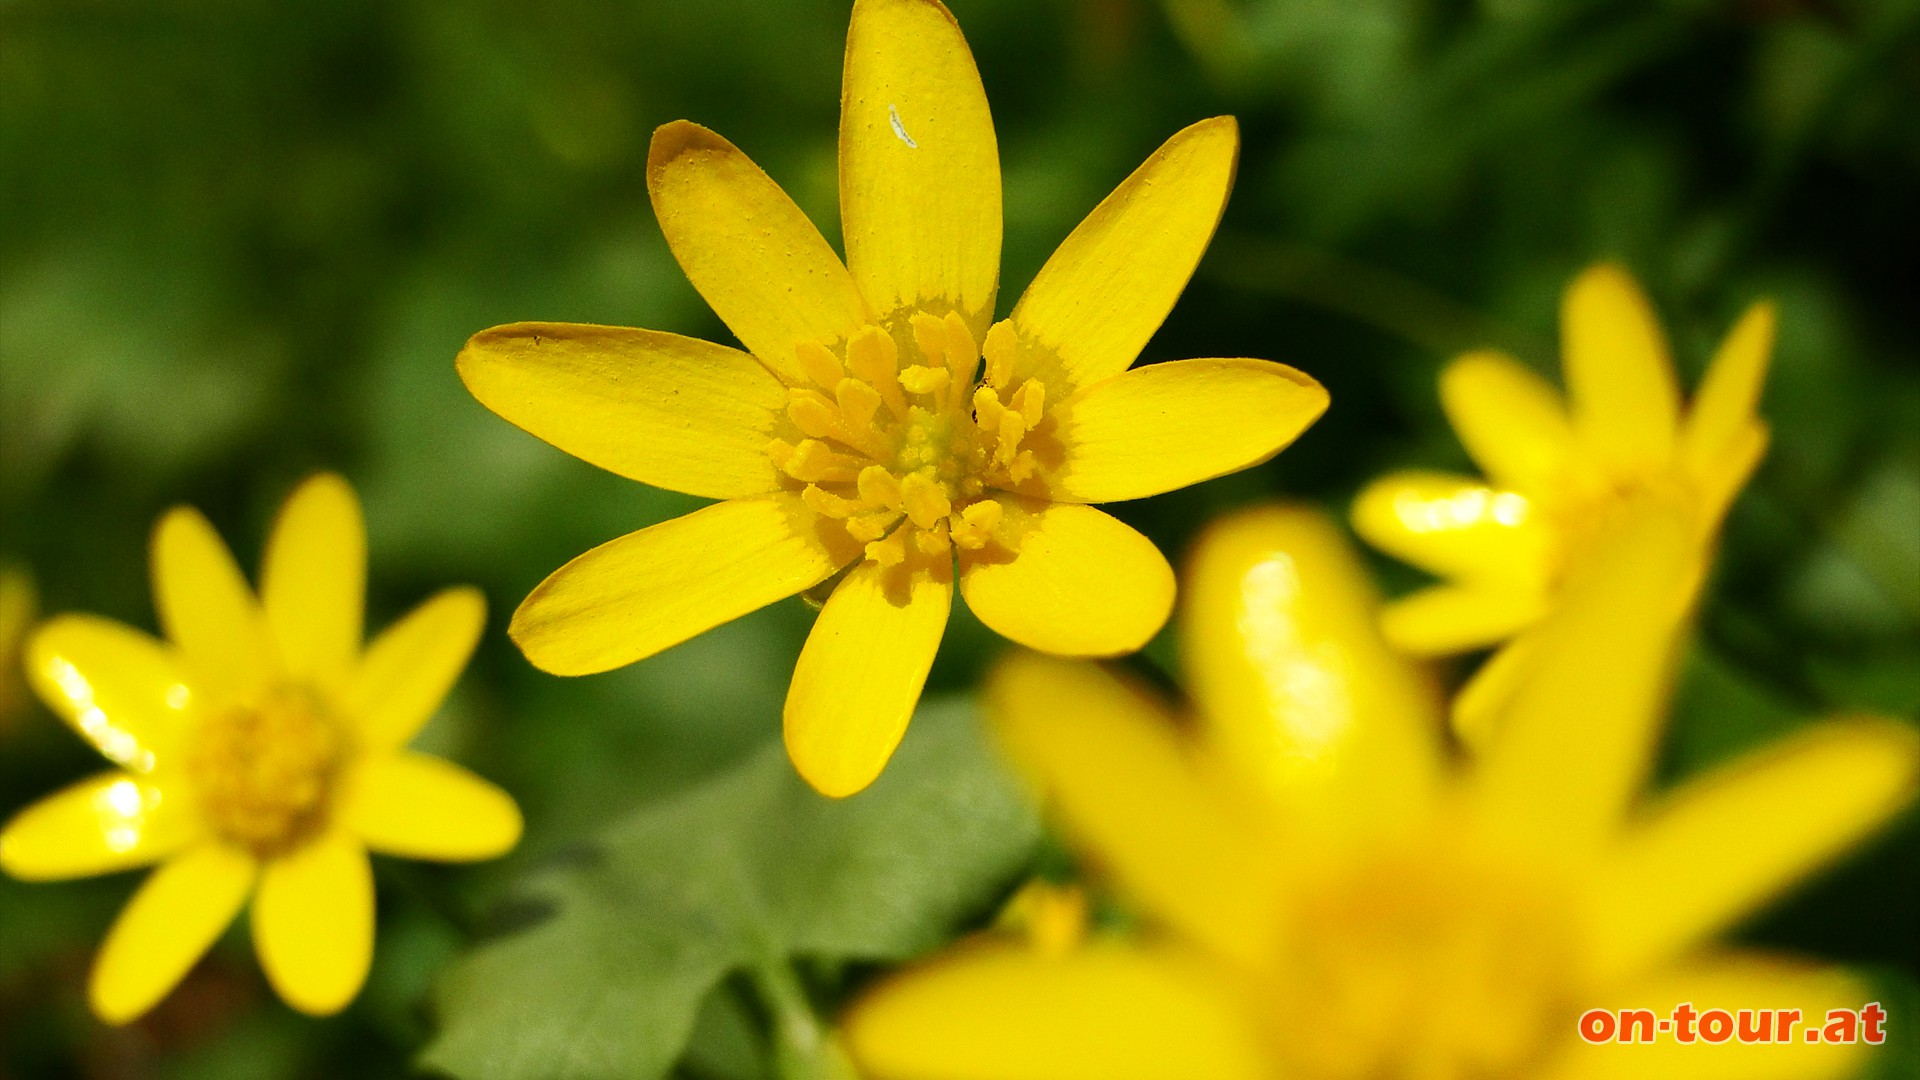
{"x":18,"y":602}
{"x":1560,"y":479}
{"x":861,"y":437}
{"x":1331,"y":897}
{"x":260,"y":752}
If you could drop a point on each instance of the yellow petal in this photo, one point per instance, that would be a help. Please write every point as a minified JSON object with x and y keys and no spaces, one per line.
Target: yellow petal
{"x":1294,"y":684}
{"x":1479,"y":705}
{"x":1732,"y":982}
{"x":919,"y":171}
{"x":1576,"y":736}
{"x":1512,"y":421}
{"x":122,"y":690}
{"x":1165,"y":426}
{"x":1082,"y":583}
{"x":1106,"y":758}
{"x":206,"y":608}
{"x":665,"y":410}
{"x":422,"y":807}
{"x":1111,"y":284}
{"x":1719,"y":481}
{"x":994,"y":1010}
{"x":177,"y":914}
{"x":1727,"y":843}
{"x":408,"y":669}
{"x":860,"y":673}
{"x":1729,"y":398}
{"x":113,"y":821}
{"x":1455,"y":618}
{"x":749,"y":250}
{"x":313,"y":583}
{"x":1626,"y":405}
{"x":313,"y":923}
{"x":632,"y":597}
{"x":1456,"y":527}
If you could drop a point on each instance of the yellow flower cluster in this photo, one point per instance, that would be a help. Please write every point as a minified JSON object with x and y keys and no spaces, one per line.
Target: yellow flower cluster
{"x":1326,"y":887}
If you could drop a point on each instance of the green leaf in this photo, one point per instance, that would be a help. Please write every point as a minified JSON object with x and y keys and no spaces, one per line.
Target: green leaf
{"x":739,"y":874}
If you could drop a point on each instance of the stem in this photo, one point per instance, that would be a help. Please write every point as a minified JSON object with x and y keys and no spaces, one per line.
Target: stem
{"x":803,"y":1049}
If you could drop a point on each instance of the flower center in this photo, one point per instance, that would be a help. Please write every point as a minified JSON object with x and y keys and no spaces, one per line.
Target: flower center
{"x":264,"y":772}
{"x":909,"y":455}
{"x":1416,"y":966}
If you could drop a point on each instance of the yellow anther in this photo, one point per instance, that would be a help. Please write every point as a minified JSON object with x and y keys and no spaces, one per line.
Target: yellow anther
{"x":1022,"y":467}
{"x":780,"y":451}
{"x":931,"y":541}
{"x":924,"y":380}
{"x":827,"y":504}
{"x":813,"y":414}
{"x":872,"y":355}
{"x":819,"y":363}
{"x":814,"y":463}
{"x":925,"y":503}
{"x":858,"y":403}
{"x":891,"y":551}
{"x":963,"y":352}
{"x":872,"y":526}
{"x":974,"y":526}
{"x":880,"y":487}
{"x":1013,"y":428}
{"x":930,"y":334}
{"x":1031,"y":402}
{"x":999,"y":349}
{"x":987,"y":409}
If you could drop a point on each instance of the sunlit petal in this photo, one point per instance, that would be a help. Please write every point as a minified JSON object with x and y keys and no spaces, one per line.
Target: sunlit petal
{"x":1106,"y":757}
{"x":670,"y":411}
{"x":1511,"y":420}
{"x":1294,"y":684}
{"x":1626,"y":403}
{"x":1082,"y":583}
{"x":122,"y":690}
{"x":113,"y":821}
{"x":1108,"y":287}
{"x":749,"y":250}
{"x":996,"y":1010}
{"x":919,"y":169}
{"x":206,"y":608}
{"x":1455,"y":526}
{"x":860,"y":673}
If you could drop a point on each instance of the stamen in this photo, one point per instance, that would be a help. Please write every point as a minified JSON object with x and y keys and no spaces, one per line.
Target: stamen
{"x":872,"y":526}
{"x":1031,"y":401}
{"x":891,"y":551}
{"x":858,"y":403}
{"x":932,"y":541}
{"x":813,"y":414}
{"x":819,"y":364}
{"x":880,"y":487}
{"x":872,"y":356}
{"x":827,"y":504}
{"x":975,"y":524}
{"x":963,"y":353}
{"x":925,"y":503}
{"x":999,"y":349}
{"x":924,"y":380}
{"x":813,"y":462}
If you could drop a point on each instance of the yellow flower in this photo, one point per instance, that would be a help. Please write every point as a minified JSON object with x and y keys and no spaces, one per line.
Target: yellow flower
{"x":1558,"y":480}
{"x":260,"y":752}
{"x":1331,"y":897}
{"x":18,"y":602}
{"x":861,"y":436}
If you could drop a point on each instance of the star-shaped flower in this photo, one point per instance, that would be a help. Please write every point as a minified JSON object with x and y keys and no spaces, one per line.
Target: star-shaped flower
{"x":881,"y":426}
{"x":260,"y":752}
{"x":1560,"y":480}
{"x":1329,"y":895}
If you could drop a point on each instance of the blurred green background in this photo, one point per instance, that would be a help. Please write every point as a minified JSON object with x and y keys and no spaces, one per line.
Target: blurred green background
{"x":243,"y":241}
